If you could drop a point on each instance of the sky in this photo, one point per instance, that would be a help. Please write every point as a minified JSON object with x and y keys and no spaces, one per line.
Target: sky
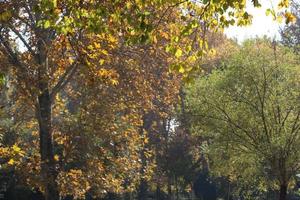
{"x":261,"y":24}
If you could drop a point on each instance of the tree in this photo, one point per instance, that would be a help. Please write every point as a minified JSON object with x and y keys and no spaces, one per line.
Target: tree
{"x":31,"y":32}
{"x":111,"y":97}
{"x":248,"y":111}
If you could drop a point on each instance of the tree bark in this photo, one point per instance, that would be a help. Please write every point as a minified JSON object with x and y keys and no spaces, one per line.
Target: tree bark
{"x":283,"y":192}
{"x":44,"y":116}
{"x":48,"y":170}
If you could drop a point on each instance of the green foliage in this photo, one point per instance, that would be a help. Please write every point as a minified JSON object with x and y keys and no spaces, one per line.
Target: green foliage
{"x":2,"y":79}
{"x":138,"y":22}
{"x":249,"y":112}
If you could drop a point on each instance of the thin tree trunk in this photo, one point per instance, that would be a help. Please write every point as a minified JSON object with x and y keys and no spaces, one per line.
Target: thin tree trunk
{"x":228,"y":193}
{"x":283,"y":192}
{"x":158,"y":191}
{"x":44,"y":113}
{"x":176,"y":187}
{"x":143,"y":187}
{"x":46,"y":147}
{"x":169,"y":189}
{"x":143,"y":190}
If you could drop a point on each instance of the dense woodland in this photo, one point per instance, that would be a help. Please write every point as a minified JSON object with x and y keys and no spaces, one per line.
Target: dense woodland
{"x":147,"y":100}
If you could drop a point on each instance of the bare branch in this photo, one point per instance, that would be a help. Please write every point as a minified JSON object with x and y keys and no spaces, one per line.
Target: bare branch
{"x":23,"y":40}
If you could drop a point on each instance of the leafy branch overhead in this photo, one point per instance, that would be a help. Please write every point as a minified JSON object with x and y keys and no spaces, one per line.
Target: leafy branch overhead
{"x":138,"y":21}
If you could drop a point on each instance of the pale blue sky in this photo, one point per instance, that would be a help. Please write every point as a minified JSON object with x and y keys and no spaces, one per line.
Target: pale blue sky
{"x":261,"y":24}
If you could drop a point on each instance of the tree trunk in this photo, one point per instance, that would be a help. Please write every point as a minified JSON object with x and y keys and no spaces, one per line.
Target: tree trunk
{"x":176,"y":188}
{"x":283,"y":192}
{"x":157,"y":192}
{"x":228,"y":192}
{"x":143,"y":187}
{"x":169,"y":189}
{"x":127,"y":196}
{"x":48,"y":170}
{"x":44,"y":113}
{"x":143,"y":190}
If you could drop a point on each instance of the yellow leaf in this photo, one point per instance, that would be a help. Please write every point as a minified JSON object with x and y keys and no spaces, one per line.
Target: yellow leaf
{"x":104,"y":52}
{"x":193,"y":58}
{"x":181,"y":69}
{"x":178,"y":53}
{"x":101,"y":61}
{"x":289,"y":18}
{"x":16,"y":148}
{"x":71,"y":60}
{"x":114,"y":82}
{"x":90,"y":47}
{"x":146,"y":140}
{"x":283,"y":4}
{"x":56,"y":157}
{"x":11,"y":162}
{"x":128,"y":5}
{"x":97,"y":45}
{"x":279,"y":19}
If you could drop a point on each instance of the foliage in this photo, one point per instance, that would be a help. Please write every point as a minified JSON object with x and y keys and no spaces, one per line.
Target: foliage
{"x":138,"y":21}
{"x":248,"y":113}
{"x":82,"y":76}
{"x":291,"y":33}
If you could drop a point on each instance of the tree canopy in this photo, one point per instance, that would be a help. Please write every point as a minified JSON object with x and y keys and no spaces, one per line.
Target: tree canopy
{"x":248,"y":111}
{"x":86,"y":85}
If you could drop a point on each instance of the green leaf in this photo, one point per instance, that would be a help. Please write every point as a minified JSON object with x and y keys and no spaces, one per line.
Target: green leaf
{"x":2,"y":79}
{"x":47,"y":24}
{"x":268,"y":11}
{"x":256,"y":3}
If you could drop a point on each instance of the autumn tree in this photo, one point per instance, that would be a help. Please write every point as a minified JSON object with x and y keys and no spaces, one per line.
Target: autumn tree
{"x":137,"y":90}
{"x":120,"y":90}
{"x":48,"y":44}
{"x":248,"y":112}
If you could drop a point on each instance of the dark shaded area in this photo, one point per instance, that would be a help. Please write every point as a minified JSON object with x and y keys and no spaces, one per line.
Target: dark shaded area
{"x":205,"y":188}
{"x":22,"y":193}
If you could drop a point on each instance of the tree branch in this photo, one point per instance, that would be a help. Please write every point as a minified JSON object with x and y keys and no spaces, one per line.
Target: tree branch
{"x":23,"y":40}
{"x":13,"y":58}
{"x":64,"y":79}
